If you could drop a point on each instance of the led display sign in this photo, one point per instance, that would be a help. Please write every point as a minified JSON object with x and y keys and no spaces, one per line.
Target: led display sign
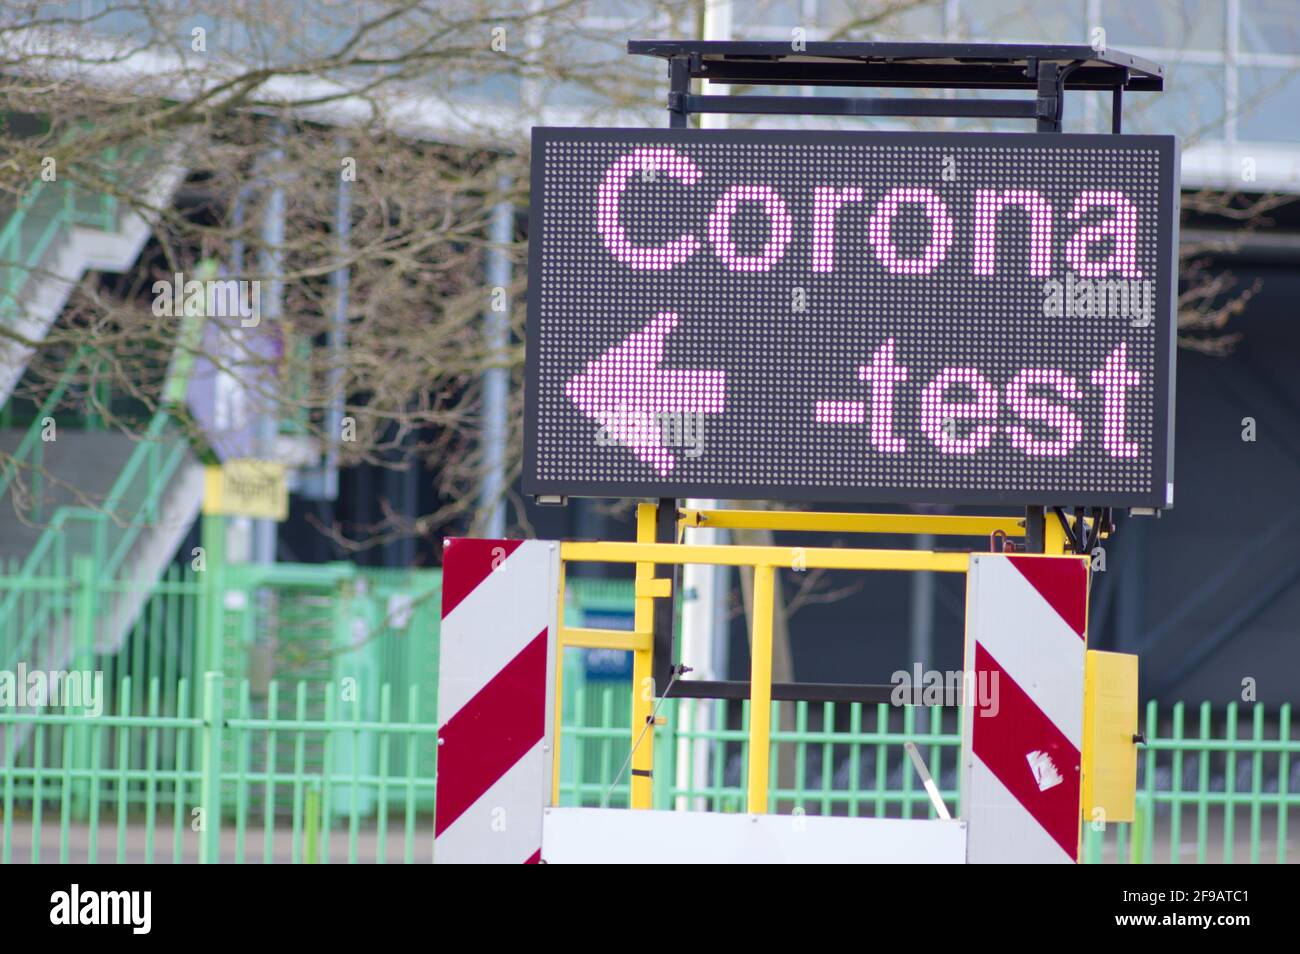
{"x":856,"y":317}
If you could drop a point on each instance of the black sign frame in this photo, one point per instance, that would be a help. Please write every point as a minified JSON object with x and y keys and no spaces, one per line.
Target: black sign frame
{"x":1161,"y":494}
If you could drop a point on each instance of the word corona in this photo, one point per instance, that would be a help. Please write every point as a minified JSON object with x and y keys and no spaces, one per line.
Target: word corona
{"x":1115,"y":232}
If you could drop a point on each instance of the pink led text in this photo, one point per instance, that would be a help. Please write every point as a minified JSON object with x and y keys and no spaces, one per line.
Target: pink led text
{"x":1104,"y":245}
{"x":968,"y":425}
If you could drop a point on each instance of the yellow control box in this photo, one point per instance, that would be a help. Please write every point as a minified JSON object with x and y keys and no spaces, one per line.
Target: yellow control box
{"x":1110,"y":725}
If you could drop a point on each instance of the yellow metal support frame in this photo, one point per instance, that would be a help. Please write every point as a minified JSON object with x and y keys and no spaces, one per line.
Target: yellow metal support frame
{"x":811,"y":558}
{"x":817,"y":522}
{"x":897,"y":523}
{"x":643,"y":687}
{"x":760,"y":691}
{"x":646,"y":554}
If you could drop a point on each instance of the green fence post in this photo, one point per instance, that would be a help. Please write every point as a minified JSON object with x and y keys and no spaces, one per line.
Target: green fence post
{"x":1138,"y":833}
{"x":1283,"y":780}
{"x":311,"y":825}
{"x":1092,"y":843}
{"x":212,"y":593}
{"x":85,"y":612}
{"x":210,"y":779}
{"x":665,"y":756}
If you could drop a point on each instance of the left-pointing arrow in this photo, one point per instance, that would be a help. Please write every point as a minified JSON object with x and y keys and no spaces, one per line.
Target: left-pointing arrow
{"x":626,"y":391}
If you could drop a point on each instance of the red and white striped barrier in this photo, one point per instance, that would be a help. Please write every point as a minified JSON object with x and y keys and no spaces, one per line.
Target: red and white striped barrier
{"x":496,"y":673}
{"x":1022,"y":732}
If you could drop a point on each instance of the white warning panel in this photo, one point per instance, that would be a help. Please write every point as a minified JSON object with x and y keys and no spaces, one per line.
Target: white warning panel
{"x":496,"y":673}
{"x":1022,"y":726}
{"x":622,"y":836}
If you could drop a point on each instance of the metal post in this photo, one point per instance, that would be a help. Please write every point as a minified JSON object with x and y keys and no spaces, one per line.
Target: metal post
{"x":922,"y":630}
{"x":311,"y":824}
{"x":496,"y":378}
{"x":270,"y":265}
{"x":557,"y":714}
{"x":1050,"y":92}
{"x":1035,"y":529}
{"x":212,"y":538}
{"x":760,"y":688}
{"x":338,"y":334}
{"x":679,"y":87}
{"x":665,"y":610}
{"x":703,"y":588}
{"x":86,"y":612}
{"x":643,"y":733}
{"x":704,"y":627}
{"x":1054,"y":538}
{"x":1131,"y":585}
{"x":236,"y":533}
{"x":210,"y":776}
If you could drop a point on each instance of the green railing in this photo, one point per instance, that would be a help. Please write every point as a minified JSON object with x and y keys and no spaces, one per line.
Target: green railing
{"x":41,"y":213}
{"x":1216,"y":780}
{"x":29,"y":455}
{"x":216,"y":782}
{"x":1224,"y":794}
{"x":311,"y":767}
{"x":26,"y":236}
{"x":36,"y":606}
{"x":224,"y":777}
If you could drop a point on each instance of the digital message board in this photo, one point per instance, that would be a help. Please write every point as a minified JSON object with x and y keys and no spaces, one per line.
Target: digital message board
{"x":856,"y":317}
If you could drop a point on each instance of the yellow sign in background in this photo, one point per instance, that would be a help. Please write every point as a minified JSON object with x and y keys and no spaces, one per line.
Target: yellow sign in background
{"x":247,"y":488}
{"x":1110,"y":721}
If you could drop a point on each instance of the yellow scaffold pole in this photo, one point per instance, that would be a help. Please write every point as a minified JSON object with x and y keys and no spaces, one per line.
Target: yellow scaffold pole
{"x":643,"y":734}
{"x":760,"y":688}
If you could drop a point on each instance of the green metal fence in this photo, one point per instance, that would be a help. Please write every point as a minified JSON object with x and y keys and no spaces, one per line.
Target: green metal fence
{"x":217,"y":783}
{"x":102,"y":535}
{"x":1223,"y":793}
{"x":218,"y":780}
{"x":326,"y":626}
{"x":33,"y":223}
{"x":252,"y":763}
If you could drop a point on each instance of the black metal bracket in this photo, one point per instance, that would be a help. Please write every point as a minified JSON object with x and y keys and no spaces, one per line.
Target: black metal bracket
{"x":679,"y":88}
{"x":1081,"y":539}
{"x":854,"y":106}
{"x":1048,"y":70}
{"x":665,"y":613}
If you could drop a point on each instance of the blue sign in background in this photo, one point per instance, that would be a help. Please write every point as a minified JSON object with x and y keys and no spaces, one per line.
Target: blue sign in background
{"x":607,"y":664}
